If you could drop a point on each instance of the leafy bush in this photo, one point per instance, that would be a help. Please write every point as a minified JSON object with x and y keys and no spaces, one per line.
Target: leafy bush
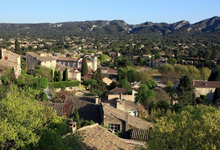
{"x":63,"y":84}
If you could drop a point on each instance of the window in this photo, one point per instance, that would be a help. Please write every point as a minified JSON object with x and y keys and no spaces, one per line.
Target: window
{"x":114,"y":127}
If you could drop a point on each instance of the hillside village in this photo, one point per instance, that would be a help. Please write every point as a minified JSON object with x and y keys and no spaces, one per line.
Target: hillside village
{"x":117,"y":94}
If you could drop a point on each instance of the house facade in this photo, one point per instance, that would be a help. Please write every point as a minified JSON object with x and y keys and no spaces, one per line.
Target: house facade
{"x":206,"y":88}
{"x":34,"y":59}
{"x":10,"y":60}
{"x":73,"y":74}
{"x":117,"y":120}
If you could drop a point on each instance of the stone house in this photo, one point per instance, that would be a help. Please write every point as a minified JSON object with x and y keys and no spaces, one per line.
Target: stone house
{"x":77,"y":62}
{"x":206,"y":88}
{"x":117,"y":120}
{"x":10,"y":60}
{"x":203,"y":88}
{"x":34,"y":59}
{"x":73,"y":74}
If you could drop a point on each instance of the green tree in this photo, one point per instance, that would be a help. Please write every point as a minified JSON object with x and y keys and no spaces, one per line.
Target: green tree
{"x":20,"y":125}
{"x":51,"y":74}
{"x":84,"y":69}
{"x":98,"y":88}
{"x":42,"y":71}
{"x":216,"y":95}
{"x":193,"y":71}
{"x":143,"y":76}
{"x":55,"y":79}
{"x":17,"y":47}
{"x":144,"y":95}
{"x":192,"y":128}
{"x":125,"y":84}
{"x":59,"y":76}
{"x":206,"y":72}
{"x":151,"y":84}
{"x":65,"y":75}
{"x":185,"y":91}
{"x":77,"y":118}
{"x":89,"y":83}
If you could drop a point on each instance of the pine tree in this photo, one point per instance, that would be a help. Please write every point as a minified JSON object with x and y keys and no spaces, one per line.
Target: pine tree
{"x":84,"y":69}
{"x":65,"y":75}
{"x":17,"y":47}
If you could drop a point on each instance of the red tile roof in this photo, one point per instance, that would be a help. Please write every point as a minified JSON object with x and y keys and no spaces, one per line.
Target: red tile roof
{"x":67,"y":59}
{"x":118,"y":90}
{"x":206,"y":84}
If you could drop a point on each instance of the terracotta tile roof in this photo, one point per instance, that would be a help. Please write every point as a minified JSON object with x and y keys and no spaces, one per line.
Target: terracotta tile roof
{"x":206,"y":84}
{"x":131,"y":120}
{"x":67,"y":59}
{"x":118,"y":90}
{"x":112,"y":71}
{"x":98,"y":138}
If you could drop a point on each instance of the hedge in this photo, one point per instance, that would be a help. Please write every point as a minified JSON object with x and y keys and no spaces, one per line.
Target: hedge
{"x":64,"y":84}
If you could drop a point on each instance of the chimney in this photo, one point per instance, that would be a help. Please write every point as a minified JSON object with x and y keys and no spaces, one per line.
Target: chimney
{"x":72,"y":125}
{"x":96,"y":100}
{"x":119,"y":104}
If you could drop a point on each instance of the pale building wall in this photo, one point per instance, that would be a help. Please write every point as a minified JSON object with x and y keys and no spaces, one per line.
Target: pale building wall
{"x":49,"y":64}
{"x":125,"y":97}
{"x":205,"y":91}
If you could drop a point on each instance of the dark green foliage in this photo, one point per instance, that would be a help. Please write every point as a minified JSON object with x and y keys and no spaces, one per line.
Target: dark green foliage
{"x":151,"y":84}
{"x":42,"y":83}
{"x":163,"y":105}
{"x":65,"y":75}
{"x":89,"y":83}
{"x":76,"y":117}
{"x":185,"y":91}
{"x":17,"y":47}
{"x":201,"y":99}
{"x":177,"y":107}
{"x":216,"y":95}
{"x":86,"y":122}
{"x":59,"y":76}
{"x":64,"y":84}
{"x":55,"y":76}
{"x":144,"y":95}
{"x":8,"y":76}
{"x":98,"y":88}
{"x":113,"y":85}
{"x":84,"y":69}
{"x":125,"y":84}
{"x":51,"y":74}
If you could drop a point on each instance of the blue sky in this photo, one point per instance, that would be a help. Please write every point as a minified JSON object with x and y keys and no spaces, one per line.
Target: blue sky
{"x":131,"y":11}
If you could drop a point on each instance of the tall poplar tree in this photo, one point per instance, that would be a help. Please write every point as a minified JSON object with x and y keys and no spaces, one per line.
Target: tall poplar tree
{"x":84,"y":69}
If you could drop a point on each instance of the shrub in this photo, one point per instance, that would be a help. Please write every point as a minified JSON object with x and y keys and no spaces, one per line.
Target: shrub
{"x":63,"y":84}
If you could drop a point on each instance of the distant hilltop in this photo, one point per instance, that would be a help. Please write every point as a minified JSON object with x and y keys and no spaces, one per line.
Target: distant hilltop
{"x":110,"y":28}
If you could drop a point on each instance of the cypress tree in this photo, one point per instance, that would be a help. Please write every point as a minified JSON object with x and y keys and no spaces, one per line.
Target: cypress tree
{"x":17,"y":47}
{"x":77,"y":118}
{"x":59,"y":76}
{"x":84,"y":69}
{"x":51,"y":74}
{"x":55,"y":79}
{"x":65,"y":75}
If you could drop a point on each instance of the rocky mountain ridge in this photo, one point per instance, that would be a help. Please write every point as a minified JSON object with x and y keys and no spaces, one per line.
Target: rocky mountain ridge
{"x":106,"y":28}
